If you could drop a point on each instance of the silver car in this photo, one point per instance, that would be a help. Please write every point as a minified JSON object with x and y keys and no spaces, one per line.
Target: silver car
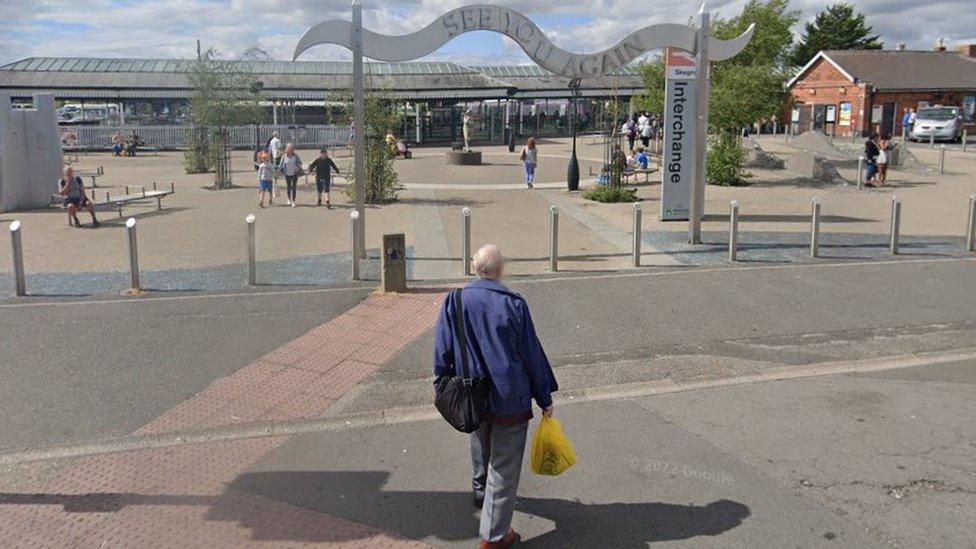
{"x":940,"y":123}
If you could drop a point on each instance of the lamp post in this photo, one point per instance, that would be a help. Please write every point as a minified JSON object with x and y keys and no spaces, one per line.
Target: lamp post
{"x":573,"y":176}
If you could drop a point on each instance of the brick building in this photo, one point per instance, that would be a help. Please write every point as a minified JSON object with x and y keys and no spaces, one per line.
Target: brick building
{"x":860,"y":91}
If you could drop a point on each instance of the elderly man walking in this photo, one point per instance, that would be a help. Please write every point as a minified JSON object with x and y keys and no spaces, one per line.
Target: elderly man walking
{"x":503,"y":348}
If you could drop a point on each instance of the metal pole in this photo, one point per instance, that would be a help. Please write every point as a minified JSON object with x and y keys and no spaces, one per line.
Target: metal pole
{"x":638,"y":211}
{"x":932,"y":141}
{"x":860,"y":173}
{"x":965,"y":140}
{"x":17,"y":252}
{"x":942,"y":152}
{"x":697,"y":202}
{"x":252,"y":271}
{"x":734,"y":230}
{"x":466,"y":241}
{"x":971,"y":226}
{"x":130,"y":230}
{"x":895,"y":225}
{"x":354,"y":243}
{"x":359,"y":162}
{"x":815,"y":229}
{"x":553,"y":238}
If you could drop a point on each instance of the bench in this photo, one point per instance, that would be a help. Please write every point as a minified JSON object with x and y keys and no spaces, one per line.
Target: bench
{"x":119,"y":201}
{"x":93,"y":174}
{"x":646,"y":171}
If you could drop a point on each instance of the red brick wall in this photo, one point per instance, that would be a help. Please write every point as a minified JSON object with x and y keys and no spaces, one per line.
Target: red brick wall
{"x":823,"y":84}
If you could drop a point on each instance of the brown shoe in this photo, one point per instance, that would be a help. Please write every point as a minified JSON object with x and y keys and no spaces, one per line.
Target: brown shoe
{"x":510,"y":539}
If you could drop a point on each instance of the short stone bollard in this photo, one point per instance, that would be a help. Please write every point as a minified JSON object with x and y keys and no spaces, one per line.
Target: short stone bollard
{"x":17,"y":259}
{"x":815,"y":229}
{"x":553,"y":238}
{"x":734,"y":231}
{"x":250,"y":254}
{"x":466,"y":241}
{"x":354,"y":244}
{"x":638,"y":212}
{"x":133,"y":246}
{"x":394,"y":263}
{"x":895,"y":225}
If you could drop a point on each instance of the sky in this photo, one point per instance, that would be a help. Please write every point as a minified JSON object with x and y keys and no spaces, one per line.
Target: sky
{"x":170,"y":29}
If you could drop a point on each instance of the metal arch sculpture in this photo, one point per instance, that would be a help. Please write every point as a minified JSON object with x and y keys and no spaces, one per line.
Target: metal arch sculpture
{"x":526,"y":34}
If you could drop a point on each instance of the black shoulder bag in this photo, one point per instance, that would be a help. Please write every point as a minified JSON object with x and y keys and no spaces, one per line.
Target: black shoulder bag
{"x":463,"y":401}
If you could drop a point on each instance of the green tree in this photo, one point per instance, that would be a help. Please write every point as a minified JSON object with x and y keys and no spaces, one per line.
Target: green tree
{"x":838,"y":27}
{"x":750,"y":87}
{"x":221,"y":95}
{"x":382,"y":118}
{"x":653,"y":97}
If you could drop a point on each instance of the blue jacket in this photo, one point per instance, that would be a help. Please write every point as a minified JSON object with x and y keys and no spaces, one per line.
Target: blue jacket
{"x":502,"y":346}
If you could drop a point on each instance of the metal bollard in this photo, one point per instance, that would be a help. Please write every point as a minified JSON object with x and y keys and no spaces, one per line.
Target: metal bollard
{"x":251,"y":255}
{"x":815,"y":229}
{"x":354,"y":243}
{"x":553,"y":238}
{"x":466,"y":241}
{"x":17,"y":252}
{"x":130,"y":231}
{"x":971,"y":227}
{"x":965,"y":140}
{"x":895,"y":225}
{"x":942,"y":152}
{"x":733,"y":230}
{"x":932,"y":141}
{"x":638,"y":213}
{"x":860,"y":173}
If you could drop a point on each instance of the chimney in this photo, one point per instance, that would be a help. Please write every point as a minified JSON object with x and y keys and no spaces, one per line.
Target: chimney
{"x":901,"y":46}
{"x":969,"y":50}
{"x":940,"y":45}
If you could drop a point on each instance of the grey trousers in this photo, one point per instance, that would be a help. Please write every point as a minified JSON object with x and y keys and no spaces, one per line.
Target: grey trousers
{"x":496,"y":457}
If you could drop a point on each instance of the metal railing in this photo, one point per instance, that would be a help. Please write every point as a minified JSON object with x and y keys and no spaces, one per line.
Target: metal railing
{"x":97,"y":138}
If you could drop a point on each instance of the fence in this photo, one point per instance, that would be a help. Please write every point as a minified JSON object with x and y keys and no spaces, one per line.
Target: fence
{"x":175,"y":137}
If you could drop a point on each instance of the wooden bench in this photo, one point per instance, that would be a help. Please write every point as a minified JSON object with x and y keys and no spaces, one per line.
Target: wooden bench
{"x":141,"y":194}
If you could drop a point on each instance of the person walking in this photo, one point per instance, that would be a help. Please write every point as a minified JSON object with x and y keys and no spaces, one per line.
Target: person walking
{"x":274,"y":148}
{"x":502,"y":347}
{"x":265,"y":179}
{"x":323,"y":166}
{"x":71,"y":187}
{"x":291,"y":168}
{"x":530,"y":159}
{"x":906,"y":121}
{"x":645,"y":132}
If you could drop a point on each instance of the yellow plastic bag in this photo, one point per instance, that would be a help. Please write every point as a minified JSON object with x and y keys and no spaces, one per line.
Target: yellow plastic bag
{"x":552,"y":452}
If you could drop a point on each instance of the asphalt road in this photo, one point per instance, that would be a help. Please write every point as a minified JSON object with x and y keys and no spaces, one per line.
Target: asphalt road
{"x":876,"y":460}
{"x":90,"y":369}
{"x":85,"y":370}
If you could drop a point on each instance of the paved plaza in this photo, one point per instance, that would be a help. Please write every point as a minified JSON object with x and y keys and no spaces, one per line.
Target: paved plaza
{"x":196,"y":242}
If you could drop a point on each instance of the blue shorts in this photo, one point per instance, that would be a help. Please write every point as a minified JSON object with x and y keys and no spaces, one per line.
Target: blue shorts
{"x":265,"y":186}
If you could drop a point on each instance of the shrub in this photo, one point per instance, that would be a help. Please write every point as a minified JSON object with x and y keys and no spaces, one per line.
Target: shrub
{"x":607,"y":194}
{"x":725,"y":163}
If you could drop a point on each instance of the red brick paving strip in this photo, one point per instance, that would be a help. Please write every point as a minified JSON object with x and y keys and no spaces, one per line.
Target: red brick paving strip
{"x":177,"y":497}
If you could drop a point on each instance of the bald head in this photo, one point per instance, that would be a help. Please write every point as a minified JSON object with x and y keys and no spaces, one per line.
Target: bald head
{"x":488,"y":262}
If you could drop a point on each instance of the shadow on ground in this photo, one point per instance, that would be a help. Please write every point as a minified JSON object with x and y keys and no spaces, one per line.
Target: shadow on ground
{"x":448,"y":516}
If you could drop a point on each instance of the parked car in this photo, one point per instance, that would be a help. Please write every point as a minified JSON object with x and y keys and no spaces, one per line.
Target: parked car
{"x":941,"y":123}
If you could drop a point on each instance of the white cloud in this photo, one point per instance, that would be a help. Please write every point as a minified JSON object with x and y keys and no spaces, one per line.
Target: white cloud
{"x":151,"y":28}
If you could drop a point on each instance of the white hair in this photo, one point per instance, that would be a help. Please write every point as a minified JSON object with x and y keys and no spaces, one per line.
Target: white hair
{"x":487,"y":261}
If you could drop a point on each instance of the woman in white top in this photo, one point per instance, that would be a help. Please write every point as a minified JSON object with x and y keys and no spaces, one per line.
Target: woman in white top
{"x":291,"y":168}
{"x":530,"y":157}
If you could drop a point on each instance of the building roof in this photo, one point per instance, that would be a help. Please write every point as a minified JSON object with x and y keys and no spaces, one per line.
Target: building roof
{"x":896,"y":70}
{"x":84,"y":77}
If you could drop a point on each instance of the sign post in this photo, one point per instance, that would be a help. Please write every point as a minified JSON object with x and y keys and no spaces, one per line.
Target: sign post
{"x":678,"y":157}
{"x":359,"y":118}
{"x":701,"y":128}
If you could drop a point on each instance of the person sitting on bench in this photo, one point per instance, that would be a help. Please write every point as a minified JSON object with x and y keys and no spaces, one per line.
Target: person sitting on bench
{"x":72,"y":189}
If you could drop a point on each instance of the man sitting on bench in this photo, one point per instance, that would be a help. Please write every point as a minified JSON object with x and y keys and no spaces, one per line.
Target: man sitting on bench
{"x":73,"y":190}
